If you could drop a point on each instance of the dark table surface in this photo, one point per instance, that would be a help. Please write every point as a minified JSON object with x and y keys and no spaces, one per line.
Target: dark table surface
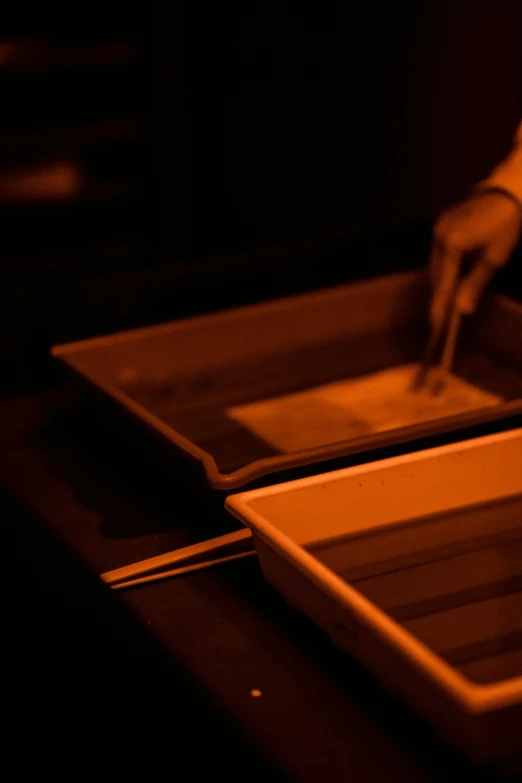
{"x":161,"y":675}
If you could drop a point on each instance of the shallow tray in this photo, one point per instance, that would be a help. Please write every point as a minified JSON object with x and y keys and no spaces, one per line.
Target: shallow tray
{"x":414,"y":565}
{"x":180,"y":379}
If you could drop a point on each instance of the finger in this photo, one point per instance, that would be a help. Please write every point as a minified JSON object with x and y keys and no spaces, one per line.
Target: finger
{"x":473,"y":286}
{"x":450,"y":264}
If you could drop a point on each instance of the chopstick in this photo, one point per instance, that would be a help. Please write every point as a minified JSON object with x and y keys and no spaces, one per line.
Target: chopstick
{"x":428,"y":358}
{"x":442,"y":342}
{"x":178,"y":571}
{"x":187,"y":559}
{"x":448,"y":351}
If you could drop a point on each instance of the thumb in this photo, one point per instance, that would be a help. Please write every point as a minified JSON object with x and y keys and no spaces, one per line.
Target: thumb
{"x":473,"y":286}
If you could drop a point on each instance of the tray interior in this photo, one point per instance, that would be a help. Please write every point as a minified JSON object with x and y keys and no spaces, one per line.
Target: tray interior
{"x":433,"y":539}
{"x":453,"y":580}
{"x":197,"y":407}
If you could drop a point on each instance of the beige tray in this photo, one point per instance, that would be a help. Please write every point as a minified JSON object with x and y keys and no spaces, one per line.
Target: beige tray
{"x":182,"y":379}
{"x":414,"y":565}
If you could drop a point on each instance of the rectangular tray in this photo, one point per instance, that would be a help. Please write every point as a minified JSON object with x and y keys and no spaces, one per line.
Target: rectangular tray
{"x":180,"y":378}
{"x":413,"y":564}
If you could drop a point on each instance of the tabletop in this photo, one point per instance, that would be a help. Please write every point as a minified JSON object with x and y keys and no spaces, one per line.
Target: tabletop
{"x":209,"y":671}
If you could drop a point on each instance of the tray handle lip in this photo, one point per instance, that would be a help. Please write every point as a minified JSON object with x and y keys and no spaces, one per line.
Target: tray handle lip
{"x":367,"y":444}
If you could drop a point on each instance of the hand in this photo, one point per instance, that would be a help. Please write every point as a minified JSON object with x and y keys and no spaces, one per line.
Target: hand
{"x":471,"y":241}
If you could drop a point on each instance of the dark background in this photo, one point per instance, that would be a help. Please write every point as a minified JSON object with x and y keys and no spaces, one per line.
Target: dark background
{"x":231,"y":152}
{"x":227,"y":153}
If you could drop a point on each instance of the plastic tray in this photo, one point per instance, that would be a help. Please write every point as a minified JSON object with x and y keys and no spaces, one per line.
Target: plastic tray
{"x":414,"y":565}
{"x":180,"y":378}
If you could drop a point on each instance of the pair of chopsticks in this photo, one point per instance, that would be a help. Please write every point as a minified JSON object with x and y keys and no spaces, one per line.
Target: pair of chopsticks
{"x":438,"y":358}
{"x":195,"y":557}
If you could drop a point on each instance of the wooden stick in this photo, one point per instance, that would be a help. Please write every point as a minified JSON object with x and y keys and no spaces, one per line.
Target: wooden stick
{"x":179,"y":556}
{"x":448,"y":351}
{"x":427,"y":360}
{"x":178,"y":571}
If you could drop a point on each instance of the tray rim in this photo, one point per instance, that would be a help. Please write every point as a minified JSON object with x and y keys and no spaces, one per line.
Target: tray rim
{"x":475,"y":698}
{"x":232,"y":313}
